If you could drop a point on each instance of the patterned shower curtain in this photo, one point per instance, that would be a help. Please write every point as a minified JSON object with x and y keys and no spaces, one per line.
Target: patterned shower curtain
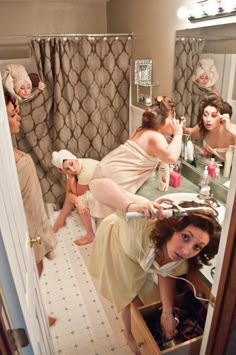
{"x":84,"y":108}
{"x":187,"y":94}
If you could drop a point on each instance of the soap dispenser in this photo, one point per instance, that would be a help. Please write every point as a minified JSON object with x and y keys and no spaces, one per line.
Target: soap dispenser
{"x":218,"y":171}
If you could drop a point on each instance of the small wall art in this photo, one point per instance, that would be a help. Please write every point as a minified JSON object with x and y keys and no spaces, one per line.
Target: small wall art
{"x":143,"y":72}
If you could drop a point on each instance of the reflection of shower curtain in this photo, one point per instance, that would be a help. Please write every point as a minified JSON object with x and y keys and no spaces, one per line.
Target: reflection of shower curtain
{"x":187,"y":94}
{"x":85,"y":107}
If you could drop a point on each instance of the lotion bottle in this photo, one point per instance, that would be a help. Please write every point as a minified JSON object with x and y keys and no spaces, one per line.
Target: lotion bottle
{"x":228,"y":161}
{"x":163,"y":177}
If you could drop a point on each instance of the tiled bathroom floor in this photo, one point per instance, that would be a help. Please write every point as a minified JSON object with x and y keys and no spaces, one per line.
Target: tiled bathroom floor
{"x":87,"y":324}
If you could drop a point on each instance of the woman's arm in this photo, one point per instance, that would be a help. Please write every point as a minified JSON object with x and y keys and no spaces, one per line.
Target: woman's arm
{"x":229,"y":126}
{"x":109,"y":193}
{"x":167,"y":292}
{"x":160,"y":148}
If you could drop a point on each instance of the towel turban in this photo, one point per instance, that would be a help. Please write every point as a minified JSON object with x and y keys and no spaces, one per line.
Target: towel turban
{"x":14,"y":75}
{"x":207,"y":65}
{"x":59,"y":157}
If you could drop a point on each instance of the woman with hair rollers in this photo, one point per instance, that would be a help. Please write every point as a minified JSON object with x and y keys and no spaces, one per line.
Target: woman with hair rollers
{"x":133,"y":162}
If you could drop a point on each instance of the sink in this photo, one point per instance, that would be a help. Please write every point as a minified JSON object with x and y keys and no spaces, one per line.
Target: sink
{"x":188,"y":196}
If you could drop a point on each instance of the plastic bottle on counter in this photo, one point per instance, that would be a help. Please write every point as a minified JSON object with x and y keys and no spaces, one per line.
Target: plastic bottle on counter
{"x":212,"y":168}
{"x":175,"y":177}
{"x":228,"y":161}
{"x":218,"y":171}
{"x":204,"y":179}
{"x":163,"y":177}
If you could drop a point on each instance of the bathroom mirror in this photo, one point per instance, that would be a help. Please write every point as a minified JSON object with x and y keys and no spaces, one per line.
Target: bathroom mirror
{"x":219,"y":44}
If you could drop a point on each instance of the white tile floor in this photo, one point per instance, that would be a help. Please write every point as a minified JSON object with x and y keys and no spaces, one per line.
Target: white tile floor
{"x":87,"y":324}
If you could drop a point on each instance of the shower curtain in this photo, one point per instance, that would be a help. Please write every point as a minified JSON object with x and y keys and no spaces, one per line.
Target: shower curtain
{"x":84,"y":108}
{"x":187,"y":94}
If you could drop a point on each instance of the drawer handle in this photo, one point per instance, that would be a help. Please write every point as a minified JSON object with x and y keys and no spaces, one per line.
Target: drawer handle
{"x":140,"y":343}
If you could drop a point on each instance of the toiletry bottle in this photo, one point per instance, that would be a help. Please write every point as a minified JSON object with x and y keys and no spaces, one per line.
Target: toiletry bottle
{"x":163,"y":177}
{"x":212,"y":168}
{"x":218,"y":171}
{"x":175,"y":177}
{"x":190,"y":151}
{"x":204,"y":179}
{"x":228,"y":161}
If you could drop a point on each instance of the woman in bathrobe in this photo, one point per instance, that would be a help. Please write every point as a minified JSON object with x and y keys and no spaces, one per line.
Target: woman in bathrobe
{"x":36,"y":216}
{"x":125,"y":254}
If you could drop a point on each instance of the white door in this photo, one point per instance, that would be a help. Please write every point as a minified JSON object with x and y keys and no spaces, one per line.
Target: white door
{"x":16,"y":242}
{"x":220,"y":256}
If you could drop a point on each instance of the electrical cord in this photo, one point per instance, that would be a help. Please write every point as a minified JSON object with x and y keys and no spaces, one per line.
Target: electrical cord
{"x":194,"y":289}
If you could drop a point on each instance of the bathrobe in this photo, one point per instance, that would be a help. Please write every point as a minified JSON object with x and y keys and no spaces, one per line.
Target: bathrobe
{"x":36,"y":217}
{"x":123,"y":261}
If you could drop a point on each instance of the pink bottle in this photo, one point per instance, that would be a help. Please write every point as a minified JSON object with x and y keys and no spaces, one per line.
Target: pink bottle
{"x":175,"y":179}
{"x":212,"y":168}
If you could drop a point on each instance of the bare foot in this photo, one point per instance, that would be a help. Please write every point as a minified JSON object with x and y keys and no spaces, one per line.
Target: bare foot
{"x":132,"y":343}
{"x":51,"y":321}
{"x":58,"y":224}
{"x":85,"y":240}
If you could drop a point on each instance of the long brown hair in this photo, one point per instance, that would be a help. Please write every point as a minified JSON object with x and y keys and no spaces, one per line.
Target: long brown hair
{"x":210,"y":99}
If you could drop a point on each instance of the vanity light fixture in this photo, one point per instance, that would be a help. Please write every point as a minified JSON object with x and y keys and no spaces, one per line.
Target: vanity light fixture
{"x":207,"y":10}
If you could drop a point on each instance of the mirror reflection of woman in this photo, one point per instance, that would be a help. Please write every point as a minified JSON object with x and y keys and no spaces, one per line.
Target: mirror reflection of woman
{"x":213,"y":125}
{"x":206,"y":75}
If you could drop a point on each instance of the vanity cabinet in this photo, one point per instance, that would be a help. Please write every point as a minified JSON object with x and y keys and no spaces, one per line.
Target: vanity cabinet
{"x":143,"y":336}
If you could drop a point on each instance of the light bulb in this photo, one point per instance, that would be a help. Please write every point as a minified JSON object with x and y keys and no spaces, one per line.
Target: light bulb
{"x":228,"y":5}
{"x":182,"y":13}
{"x":196,"y":10}
{"x":211,"y":7}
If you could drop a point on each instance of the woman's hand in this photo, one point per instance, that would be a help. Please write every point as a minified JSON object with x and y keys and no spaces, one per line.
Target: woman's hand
{"x":168,"y":325}
{"x":41,"y":86}
{"x":225,"y":120}
{"x":177,"y":127}
{"x":81,"y":207}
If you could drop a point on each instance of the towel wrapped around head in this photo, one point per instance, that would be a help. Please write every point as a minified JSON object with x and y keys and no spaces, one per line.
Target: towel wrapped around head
{"x":60,"y":156}
{"x":14,"y":75}
{"x":207,"y":65}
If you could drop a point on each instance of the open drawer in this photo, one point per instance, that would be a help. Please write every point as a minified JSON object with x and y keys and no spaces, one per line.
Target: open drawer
{"x":145,"y":325}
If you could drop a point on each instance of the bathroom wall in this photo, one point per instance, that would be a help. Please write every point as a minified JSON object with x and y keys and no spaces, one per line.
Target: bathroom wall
{"x":154,"y":23}
{"x":52,"y":16}
{"x":28,"y":17}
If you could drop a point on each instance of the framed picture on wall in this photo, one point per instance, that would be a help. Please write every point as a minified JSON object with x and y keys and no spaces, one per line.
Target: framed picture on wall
{"x":143,"y":72}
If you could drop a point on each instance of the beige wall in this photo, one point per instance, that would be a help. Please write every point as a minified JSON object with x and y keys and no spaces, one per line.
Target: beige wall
{"x":52,"y":16}
{"x":29,"y":17}
{"x":154,"y":23}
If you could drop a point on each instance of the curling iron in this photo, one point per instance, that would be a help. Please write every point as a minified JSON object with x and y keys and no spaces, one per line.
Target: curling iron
{"x":172,"y":212}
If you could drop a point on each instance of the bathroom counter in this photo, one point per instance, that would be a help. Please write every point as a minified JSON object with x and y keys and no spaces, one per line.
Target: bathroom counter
{"x":150,"y":191}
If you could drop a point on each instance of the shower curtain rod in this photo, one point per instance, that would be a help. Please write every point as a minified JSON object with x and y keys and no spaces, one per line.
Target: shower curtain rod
{"x":213,"y":38}
{"x":51,"y":35}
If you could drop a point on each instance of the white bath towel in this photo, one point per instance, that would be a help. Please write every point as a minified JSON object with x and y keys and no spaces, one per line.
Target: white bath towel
{"x":60,"y":156}
{"x":207,"y":65}
{"x":14,"y":75}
